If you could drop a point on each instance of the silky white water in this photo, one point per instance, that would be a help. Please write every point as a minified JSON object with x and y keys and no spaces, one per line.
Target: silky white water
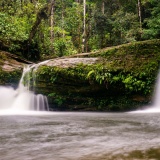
{"x":80,"y":136}
{"x":156,"y":97}
{"x":22,"y":99}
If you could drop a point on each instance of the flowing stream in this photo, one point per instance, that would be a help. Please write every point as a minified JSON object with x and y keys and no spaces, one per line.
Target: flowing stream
{"x":80,"y":136}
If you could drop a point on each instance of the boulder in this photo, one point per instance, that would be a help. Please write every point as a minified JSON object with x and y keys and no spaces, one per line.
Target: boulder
{"x":105,"y":80}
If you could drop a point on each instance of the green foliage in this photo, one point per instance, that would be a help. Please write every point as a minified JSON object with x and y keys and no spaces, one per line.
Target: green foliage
{"x":12,"y":28}
{"x":107,"y":23}
{"x":125,"y":27}
{"x":133,"y":84}
{"x":153,"y":22}
{"x":63,"y":44}
{"x":99,"y":74}
{"x":58,"y":100}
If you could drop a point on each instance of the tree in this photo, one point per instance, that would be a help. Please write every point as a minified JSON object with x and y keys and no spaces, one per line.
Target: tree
{"x":36,"y":28}
{"x":152,"y":29}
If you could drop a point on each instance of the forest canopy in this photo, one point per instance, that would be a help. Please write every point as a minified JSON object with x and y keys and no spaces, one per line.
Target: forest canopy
{"x":36,"y":29}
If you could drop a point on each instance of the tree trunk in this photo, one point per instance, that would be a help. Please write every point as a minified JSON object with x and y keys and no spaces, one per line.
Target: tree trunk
{"x":103,"y":7}
{"x":63,"y":18}
{"x":140,"y":14}
{"x":52,"y":25}
{"x":44,"y":13}
{"x":84,"y":27}
{"x":40,"y":15}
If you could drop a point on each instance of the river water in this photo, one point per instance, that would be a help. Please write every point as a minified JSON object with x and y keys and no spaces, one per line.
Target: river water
{"x":80,"y":136}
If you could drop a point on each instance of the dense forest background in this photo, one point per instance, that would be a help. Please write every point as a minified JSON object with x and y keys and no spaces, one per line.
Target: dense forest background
{"x":37,"y":29}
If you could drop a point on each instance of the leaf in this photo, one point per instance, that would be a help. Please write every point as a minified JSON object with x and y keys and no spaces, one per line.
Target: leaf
{"x":90,"y":73}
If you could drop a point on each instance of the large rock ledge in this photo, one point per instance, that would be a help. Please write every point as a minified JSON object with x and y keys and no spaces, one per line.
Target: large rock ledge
{"x":116,"y":79}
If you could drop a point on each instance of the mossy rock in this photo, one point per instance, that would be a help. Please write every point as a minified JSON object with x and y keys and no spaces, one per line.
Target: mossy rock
{"x":10,"y":78}
{"x":10,"y":69}
{"x":107,"y":80}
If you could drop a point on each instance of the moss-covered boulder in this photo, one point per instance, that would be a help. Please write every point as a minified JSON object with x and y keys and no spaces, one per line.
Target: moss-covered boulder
{"x":113,"y":79}
{"x":11,"y":68}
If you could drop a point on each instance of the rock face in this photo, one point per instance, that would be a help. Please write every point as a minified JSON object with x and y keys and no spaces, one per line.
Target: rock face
{"x":71,"y":62}
{"x":114,"y":79}
{"x":10,"y":69}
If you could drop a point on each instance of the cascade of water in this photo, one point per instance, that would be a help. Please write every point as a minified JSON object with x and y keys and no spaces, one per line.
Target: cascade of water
{"x":22,"y":99}
{"x":156,"y":96}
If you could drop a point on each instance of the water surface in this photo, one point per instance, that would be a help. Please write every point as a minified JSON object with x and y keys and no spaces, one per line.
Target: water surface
{"x":80,"y":136}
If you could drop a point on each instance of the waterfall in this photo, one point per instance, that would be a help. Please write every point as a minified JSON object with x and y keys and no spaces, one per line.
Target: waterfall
{"x":156,"y":96}
{"x":22,"y":99}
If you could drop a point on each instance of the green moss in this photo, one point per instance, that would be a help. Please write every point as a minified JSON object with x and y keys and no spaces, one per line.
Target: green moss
{"x":136,"y":48}
{"x":11,"y":77}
